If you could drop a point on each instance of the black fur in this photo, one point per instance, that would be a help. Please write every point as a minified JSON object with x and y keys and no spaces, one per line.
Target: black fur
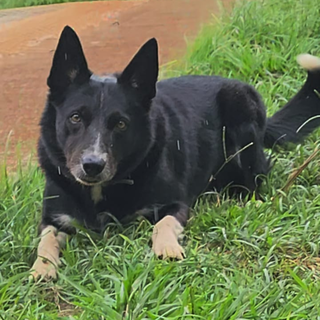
{"x":290,"y":123}
{"x":161,"y":144}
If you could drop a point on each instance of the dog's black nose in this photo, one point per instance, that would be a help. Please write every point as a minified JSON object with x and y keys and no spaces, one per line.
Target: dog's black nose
{"x":92,"y":165}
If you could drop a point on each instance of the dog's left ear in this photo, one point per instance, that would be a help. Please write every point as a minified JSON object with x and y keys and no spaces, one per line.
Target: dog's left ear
{"x":69,"y":63}
{"x":141,"y":74}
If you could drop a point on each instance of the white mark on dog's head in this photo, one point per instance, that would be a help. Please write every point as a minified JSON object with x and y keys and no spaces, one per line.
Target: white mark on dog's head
{"x":104,"y":79}
{"x":101,"y":99}
{"x":98,"y":150}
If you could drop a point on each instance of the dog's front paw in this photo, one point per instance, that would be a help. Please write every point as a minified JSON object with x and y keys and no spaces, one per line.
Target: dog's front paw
{"x":165,"y":238}
{"x":44,"y":269}
{"x":48,"y":260}
{"x":168,"y":248}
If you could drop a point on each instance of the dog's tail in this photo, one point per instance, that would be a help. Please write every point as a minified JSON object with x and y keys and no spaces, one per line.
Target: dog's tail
{"x":301,"y":115}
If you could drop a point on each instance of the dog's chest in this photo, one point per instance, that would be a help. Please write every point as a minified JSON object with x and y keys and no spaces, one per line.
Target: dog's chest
{"x":118,"y":201}
{"x":96,"y":194}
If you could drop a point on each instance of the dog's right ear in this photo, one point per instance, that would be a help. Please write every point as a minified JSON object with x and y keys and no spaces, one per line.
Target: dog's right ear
{"x":69,"y":63}
{"x":141,"y":73}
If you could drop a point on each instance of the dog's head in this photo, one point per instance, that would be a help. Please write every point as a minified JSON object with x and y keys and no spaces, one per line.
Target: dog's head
{"x":102,"y":124}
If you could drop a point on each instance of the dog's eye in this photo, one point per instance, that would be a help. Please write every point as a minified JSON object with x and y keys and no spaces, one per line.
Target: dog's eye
{"x":75,"y":118}
{"x":121,"y":125}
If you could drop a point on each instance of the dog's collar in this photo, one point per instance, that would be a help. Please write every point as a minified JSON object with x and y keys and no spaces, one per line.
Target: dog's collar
{"x":122,"y":181}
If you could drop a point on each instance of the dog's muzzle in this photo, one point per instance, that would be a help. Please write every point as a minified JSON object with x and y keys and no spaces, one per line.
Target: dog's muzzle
{"x":93,"y":169}
{"x":92,"y":165}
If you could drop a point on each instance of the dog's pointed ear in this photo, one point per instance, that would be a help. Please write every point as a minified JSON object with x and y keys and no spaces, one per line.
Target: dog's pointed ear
{"x":69,"y":63}
{"x":141,"y":73}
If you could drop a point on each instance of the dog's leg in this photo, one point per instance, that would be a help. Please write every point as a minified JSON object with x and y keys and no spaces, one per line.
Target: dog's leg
{"x":167,"y":231}
{"x":48,"y":259}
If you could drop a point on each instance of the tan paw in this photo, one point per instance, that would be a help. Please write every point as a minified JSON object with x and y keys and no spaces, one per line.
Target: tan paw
{"x":165,"y":238}
{"x":168,"y":248}
{"x":48,"y":260}
{"x":43,"y":269}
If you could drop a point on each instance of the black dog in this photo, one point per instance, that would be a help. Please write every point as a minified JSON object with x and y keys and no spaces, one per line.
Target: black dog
{"x":125,"y":144}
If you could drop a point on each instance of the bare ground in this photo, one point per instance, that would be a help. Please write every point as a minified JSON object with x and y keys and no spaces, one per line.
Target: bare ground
{"x":110,"y":31}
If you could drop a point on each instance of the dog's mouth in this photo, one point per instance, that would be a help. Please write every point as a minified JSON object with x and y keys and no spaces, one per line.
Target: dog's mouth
{"x":90,"y":182}
{"x":102,"y":178}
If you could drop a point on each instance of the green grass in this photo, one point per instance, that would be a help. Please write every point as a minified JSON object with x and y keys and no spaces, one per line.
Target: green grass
{"x":245,"y":259}
{"x":8,"y":4}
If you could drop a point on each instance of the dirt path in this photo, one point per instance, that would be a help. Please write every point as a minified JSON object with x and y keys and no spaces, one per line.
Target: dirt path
{"x":110,"y":31}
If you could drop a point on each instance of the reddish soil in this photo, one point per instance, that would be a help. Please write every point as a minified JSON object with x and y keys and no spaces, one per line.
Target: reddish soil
{"x":110,"y":32}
